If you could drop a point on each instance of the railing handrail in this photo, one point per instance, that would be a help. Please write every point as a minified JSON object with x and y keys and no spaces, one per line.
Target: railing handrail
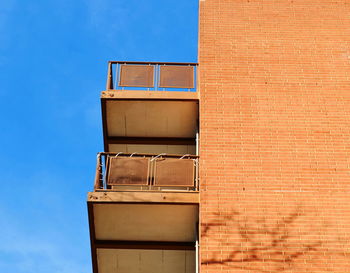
{"x":149,"y":155}
{"x":153,"y":63}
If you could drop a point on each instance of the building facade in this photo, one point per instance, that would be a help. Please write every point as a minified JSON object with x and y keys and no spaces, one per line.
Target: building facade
{"x":274,"y":135}
{"x":239,"y":163}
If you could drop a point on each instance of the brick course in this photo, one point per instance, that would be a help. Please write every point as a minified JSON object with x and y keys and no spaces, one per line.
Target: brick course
{"x":275,"y":135}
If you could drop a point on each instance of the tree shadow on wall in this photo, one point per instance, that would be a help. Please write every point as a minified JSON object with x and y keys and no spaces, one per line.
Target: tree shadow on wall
{"x":263,"y":245}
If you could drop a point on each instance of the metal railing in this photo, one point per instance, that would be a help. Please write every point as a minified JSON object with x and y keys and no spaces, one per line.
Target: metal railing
{"x":151,"y":76}
{"x":123,"y":171}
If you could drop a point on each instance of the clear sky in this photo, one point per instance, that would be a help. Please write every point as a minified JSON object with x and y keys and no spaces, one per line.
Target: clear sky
{"x":53,"y":62}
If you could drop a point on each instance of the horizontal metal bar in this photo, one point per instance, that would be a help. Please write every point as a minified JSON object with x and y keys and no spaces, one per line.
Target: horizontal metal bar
{"x":152,"y":190}
{"x":112,"y":244}
{"x":149,"y":155}
{"x":152,"y":140}
{"x":146,"y":98}
{"x":106,"y":191}
{"x":159,"y":63}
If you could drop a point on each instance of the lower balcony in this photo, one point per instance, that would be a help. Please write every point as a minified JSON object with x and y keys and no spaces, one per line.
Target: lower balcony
{"x":143,"y":213}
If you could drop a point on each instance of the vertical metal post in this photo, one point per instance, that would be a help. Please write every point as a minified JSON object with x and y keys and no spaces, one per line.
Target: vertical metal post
{"x":109,"y":84}
{"x":120,"y":74}
{"x":189,"y":89}
{"x":156,"y":77}
{"x":197,"y":142}
{"x":195,"y":76}
{"x":197,"y":252}
{"x":148,"y":89}
{"x":197,"y":151}
{"x":117,"y":72}
{"x":102,"y":175}
{"x":97,"y":184}
{"x":197,"y":174}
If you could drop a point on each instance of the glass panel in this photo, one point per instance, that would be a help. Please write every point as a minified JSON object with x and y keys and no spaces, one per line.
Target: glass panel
{"x":175,"y":76}
{"x":136,"y":75}
{"x":174,"y":172}
{"x":127,"y":171}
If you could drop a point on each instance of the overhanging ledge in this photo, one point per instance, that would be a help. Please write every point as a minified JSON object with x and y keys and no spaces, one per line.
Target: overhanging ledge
{"x":149,"y":95}
{"x":144,"y":197}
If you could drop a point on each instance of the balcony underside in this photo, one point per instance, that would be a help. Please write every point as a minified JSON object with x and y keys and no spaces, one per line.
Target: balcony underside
{"x":102,"y":196}
{"x":145,"y":261}
{"x":145,"y":222}
{"x":149,"y":121}
{"x":149,"y":229}
{"x":143,"y":216}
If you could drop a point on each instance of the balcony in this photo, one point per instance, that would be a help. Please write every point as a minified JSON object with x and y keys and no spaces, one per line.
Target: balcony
{"x":120,"y":172}
{"x":143,"y":212}
{"x":150,"y":108}
{"x":151,"y":76}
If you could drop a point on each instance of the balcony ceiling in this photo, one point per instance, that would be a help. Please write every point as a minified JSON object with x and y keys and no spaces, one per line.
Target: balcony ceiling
{"x":143,"y":231}
{"x":145,"y":222}
{"x":145,"y":261}
{"x":138,"y":117}
{"x":155,"y":149}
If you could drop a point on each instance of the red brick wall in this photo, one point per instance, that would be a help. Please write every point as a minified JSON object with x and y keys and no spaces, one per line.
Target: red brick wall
{"x":275,"y":135}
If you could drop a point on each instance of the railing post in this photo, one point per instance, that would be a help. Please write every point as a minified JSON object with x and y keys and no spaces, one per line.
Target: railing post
{"x":98,"y":174}
{"x":109,"y":85}
{"x":196,"y":174}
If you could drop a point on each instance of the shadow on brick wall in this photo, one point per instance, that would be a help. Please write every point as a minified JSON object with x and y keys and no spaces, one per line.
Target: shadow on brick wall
{"x":287,"y":242}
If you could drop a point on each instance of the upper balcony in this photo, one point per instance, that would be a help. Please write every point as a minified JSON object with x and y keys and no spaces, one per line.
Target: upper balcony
{"x":150,"y":107}
{"x":152,"y":76}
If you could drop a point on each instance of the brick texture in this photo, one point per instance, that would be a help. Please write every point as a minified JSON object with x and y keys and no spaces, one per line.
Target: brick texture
{"x":275,"y":135}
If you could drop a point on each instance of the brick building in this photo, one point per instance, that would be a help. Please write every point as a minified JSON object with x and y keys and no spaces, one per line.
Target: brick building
{"x":275,"y":135}
{"x":246,"y":171}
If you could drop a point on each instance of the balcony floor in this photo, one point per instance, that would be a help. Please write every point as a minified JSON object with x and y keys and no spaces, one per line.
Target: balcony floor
{"x":149,"y":95}
{"x":179,"y":197}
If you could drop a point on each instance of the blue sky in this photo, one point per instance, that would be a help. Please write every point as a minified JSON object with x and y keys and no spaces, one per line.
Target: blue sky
{"x":53,"y":61}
